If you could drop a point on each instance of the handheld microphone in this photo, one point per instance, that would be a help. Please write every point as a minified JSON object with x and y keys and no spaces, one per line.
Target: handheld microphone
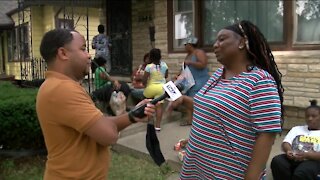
{"x":171,"y":90}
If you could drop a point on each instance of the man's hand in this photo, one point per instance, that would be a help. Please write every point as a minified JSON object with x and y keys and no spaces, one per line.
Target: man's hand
{"x":149,"y":110}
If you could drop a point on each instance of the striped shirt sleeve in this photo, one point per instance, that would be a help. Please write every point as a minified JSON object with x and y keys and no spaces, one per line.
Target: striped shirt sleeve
{"x":265,"y":107}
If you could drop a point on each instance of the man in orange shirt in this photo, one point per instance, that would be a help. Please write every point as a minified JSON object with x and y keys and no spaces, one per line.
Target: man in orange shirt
{"x":77,"y":134}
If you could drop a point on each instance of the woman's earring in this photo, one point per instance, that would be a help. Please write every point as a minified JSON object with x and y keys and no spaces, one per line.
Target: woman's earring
{"x":247,"y":44}
{"x":250,"y":67}
{"x":241,"y":47}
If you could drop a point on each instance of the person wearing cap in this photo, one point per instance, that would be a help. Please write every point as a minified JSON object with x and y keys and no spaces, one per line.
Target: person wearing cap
{"x":197,"y":62}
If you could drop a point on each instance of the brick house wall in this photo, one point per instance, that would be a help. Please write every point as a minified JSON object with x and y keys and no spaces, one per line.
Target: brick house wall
{"x":142,"y":18}
{"x":300,"y":69}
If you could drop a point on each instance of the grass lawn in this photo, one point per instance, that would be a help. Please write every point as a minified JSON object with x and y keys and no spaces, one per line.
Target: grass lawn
{"x":122,"y":167}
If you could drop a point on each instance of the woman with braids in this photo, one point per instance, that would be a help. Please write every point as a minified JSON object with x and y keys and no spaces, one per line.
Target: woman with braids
{"x":301,"y":147}
{"x":153,"y":79}
{"x":237,"y":113}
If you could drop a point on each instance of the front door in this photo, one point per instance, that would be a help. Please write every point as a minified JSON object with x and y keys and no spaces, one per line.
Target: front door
{"x":119,"y":30}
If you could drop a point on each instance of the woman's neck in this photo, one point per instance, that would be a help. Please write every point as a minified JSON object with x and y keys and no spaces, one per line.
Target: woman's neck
{"x":236,"y":67}
{"x":191,"y":50}
{"x":230,"y":72}
{"x":313,"y":129}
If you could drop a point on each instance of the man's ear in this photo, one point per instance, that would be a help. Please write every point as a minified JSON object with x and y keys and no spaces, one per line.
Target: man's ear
{"x":62,"y":53}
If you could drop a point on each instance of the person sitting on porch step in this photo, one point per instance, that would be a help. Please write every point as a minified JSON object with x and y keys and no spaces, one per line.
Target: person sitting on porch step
{"x":137,"y":79}
{"x":105,"y":84}
{"x":301,"y":147}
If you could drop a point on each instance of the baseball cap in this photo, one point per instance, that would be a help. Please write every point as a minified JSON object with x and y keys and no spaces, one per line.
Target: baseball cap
{"x":191,"y":40}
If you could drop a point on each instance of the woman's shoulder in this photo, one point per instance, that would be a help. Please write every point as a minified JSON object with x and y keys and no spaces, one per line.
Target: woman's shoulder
{"x":302,"y":128}
{"x":163,"y":63}
{"x":100,"y":69}
{"x":217,"y":73}
{"x":149,"y":65}
{"x":257,"y":74}
{"x":196,"y":51}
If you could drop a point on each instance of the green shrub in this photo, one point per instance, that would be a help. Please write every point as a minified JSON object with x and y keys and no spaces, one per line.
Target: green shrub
{"x":19,"y":126}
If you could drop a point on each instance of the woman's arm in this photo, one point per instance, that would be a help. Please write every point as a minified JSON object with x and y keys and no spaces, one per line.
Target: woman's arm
{"x":202,"y":60}
{"x":286,"y":147}
{"x":145,"y":78}
{"x":312,"y":155}
{"x":106,"y":76}
{"x":185,"y":100}
{"x":166,"y":74}
{"x":260,"y":155}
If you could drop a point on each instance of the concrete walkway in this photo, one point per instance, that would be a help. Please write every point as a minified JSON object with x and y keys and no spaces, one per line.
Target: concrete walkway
{"x":132,"y":141}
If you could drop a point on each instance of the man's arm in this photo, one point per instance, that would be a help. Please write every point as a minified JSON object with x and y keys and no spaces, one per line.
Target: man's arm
{"x":105,"y":130}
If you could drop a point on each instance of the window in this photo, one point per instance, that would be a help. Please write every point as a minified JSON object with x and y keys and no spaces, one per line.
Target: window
{"x":18,"y":43}
{"x":12,"y":45}
{"x":204,"y":19}
{"x":264,"y":13}
{"x":65,"y":24}
{"x":183,"y":21}
{"x":307,"y":21}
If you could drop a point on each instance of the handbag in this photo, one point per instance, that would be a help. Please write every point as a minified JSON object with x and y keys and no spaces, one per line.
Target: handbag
{"x":185,"y":79}
{"x":118,"y":102}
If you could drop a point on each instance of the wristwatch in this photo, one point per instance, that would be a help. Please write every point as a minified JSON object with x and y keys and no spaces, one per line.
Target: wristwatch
{"x":131,"y":118}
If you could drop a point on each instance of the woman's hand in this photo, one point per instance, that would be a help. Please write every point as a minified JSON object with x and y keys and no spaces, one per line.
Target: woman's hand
{"x":290,"y":155}
{"x":116,"y":85}
{"x":300,"y":156}
{"x":188,"y":62}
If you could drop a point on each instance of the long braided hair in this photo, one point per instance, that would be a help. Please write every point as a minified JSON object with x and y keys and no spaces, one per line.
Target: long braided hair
{"x":259,"y":53}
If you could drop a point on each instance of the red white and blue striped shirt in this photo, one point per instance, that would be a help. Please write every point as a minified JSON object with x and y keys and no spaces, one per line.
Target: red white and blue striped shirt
{"x":227,"y":116}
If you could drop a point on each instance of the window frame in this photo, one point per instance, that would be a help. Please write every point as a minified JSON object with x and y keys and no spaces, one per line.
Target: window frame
{"x":193,"y":9}
{"x":65,"y":23}
{"x":15,"y":38}
{"x":288,"y":24}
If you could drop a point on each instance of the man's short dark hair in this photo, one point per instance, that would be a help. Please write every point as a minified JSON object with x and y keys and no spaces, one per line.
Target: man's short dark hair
{"x":101,"y":28}
{"x":52,"y":41}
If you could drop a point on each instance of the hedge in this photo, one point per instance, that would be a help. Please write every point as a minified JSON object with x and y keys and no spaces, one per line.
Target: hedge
{"x":19,"y":126}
